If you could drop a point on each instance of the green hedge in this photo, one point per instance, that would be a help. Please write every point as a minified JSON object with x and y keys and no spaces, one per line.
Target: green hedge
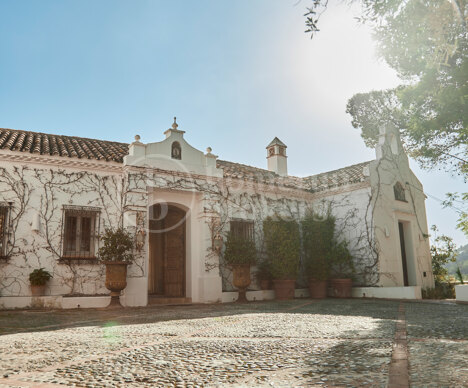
{"x":317,"y":234}
{"x":282,"y":243}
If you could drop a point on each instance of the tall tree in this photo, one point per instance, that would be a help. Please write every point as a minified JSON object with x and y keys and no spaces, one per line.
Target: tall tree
{"x":425,"y":41}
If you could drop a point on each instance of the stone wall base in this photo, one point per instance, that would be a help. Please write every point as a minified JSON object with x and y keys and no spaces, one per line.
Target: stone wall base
{"x":412,"y":292}
{"x":461,"y":292}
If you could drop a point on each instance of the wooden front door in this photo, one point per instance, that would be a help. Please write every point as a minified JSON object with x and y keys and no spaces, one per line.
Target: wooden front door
{"x":167,"y":253}
{"x":174,"y":252}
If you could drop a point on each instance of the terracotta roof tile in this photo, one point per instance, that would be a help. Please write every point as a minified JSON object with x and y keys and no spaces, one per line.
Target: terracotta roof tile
{"x":83,"y":148}
{"x":70,"y":146}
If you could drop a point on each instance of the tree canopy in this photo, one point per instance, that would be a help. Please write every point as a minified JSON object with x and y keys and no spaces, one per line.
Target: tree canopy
{"x":425,"y":42}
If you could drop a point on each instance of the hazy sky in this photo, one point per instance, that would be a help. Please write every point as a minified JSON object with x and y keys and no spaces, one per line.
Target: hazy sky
{"x":235,"y":73}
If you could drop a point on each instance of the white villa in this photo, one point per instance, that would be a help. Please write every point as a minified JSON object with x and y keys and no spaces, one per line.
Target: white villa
{"x":58,"y":193}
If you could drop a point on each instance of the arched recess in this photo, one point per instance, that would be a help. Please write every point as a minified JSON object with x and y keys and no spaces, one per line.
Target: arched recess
{"x":167,"y":250}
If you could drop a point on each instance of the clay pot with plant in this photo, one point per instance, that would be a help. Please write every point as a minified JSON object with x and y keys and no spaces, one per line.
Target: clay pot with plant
{"x":282,"y":243}
{"x":38,"y":280}
{"x":342,"y":270}
{"x":317,"y":232}
{"x":240,"y":254}
{"x":116,"y":253}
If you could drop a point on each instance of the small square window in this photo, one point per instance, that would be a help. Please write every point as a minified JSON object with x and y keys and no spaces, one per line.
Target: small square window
{"x":80,"y":232}
{"x":242,"y":229}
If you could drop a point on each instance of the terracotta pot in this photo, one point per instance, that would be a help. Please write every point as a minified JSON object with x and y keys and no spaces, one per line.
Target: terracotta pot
{"x":116,"y":280}
{"x":265,"y":284}
{"x":317,"y":288}
{"x":284,"y":288}
{"x":38,"y":290}
{"x":341,"y":288}
{"x":241,"y":280}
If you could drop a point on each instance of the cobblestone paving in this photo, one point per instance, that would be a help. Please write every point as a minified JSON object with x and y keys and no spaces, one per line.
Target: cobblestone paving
{"x":295,"y":343}
{"x":438,"y":344}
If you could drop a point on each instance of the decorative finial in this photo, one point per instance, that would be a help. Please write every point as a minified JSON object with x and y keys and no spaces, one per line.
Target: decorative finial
{"x":175,"y":125}
{"x":137,"y":137}
{"x":208,"y":150}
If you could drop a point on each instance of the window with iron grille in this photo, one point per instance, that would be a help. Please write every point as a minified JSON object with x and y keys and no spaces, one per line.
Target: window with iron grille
{"x":243,"y":229}
{"x":80,"y":230}
{"x":4,"y":222}
{"x":399,"y":192}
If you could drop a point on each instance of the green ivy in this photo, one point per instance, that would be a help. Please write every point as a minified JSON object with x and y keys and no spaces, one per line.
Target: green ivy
{"x":282,"y":242}
{"x":117,"y":246}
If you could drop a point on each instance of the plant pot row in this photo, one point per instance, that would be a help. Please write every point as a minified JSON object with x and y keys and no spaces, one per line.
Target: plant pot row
{"x":285,"y":288}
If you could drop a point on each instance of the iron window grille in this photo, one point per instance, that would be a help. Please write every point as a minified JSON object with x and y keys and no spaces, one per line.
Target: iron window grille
{"x":242,"y":229}
{"x":80,"y":232}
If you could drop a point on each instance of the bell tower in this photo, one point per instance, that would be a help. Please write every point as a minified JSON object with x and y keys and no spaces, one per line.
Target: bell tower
{"x":276,"y":156}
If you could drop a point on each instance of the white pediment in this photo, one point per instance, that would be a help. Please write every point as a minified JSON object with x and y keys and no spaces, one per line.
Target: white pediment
{"x":172,"y":154}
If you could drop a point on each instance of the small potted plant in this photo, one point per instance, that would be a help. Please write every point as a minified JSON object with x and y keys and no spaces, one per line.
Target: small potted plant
{"x":317,"y":242}
{"x":240,"y":254}
{"x":38,"y":279}
{"x":116,"y":253}
{"x":282,"y":242}
{"x":342,"y":270}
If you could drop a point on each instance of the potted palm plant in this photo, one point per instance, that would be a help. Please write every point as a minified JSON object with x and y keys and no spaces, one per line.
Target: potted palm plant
{"x":240,"y":254}
{"x":38,"y":279}
{"x":282,"y":243}
{"x":317,"y":232}
{"x":116,"y":253}
{"x":342,"y":270}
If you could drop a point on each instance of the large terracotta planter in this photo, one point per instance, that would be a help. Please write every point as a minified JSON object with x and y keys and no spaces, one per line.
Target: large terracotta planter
{"x":284,"y":288}
{"x":38,"y":290}
{"x":341,"y":288}
{"x":116,"y":280}
{"x":317,"y":288}
{"x":241,"y":280}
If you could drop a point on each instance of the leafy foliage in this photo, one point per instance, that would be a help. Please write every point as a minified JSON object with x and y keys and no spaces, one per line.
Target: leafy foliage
{"x":341,"y":261}
{"x":426,"y":43}
{"x":239,"y":250}
{"x":440,"y":291}
{"x":282,"y":243}
{"x":443,"y":251}
{"x":117,"y":246}
{"x":317,"y":234}
{"x":39,"y":277}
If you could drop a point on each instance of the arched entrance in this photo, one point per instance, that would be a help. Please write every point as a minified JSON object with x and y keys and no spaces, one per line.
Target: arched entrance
{"x":167,"y":250}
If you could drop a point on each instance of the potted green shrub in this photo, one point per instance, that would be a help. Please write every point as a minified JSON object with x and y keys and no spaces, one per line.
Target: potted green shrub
{"x":342,"y":270}
{"x":282,"y":244}
{"x":116,"y":253}
{"x":317,"y":233}
{"x":240,"y":254}
{"x":38,"y":279}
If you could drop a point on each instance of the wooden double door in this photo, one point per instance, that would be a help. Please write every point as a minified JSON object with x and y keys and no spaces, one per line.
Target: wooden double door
{"x":167,"y":240}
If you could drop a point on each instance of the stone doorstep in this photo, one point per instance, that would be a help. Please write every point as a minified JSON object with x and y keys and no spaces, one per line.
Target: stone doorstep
{"x":163,"y":300}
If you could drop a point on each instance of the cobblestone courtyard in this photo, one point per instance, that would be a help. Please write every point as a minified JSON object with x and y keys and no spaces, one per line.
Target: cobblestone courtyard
{"x":294,"y":343}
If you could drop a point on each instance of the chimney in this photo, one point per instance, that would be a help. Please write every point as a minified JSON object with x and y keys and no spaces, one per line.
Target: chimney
{"x":276,"y":156}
